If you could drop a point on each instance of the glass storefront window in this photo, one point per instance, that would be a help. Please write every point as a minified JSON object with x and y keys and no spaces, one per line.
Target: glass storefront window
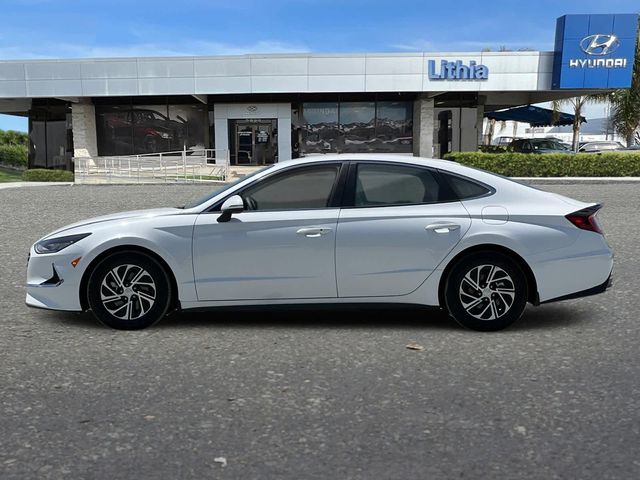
{"x":357,"y":122}
{"x":56,"y":144}
{"x":320,"y":132}
{"x":50,"y":135}
{"x":394,"y":127}
{"x":113,"y":128}
{"x":189,"y":124}
{"x":139,"y":129}
{"x":37,"y":144}
{"x":153,"y":132}
{"x":357,"y":127}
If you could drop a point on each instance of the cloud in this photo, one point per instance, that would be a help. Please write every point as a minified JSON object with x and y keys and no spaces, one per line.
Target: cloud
{"x":467,"y":45}
{"x":145,"y":49}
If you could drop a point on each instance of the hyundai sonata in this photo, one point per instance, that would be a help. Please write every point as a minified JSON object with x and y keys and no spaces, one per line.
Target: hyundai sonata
{"x":333,"y":229}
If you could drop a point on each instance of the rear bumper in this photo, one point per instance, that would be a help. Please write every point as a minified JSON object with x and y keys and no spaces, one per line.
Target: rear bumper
{"x":585,"y":293}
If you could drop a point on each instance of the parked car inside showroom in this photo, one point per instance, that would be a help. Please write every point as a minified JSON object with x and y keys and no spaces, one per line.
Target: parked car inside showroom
{"x":333,"y":229}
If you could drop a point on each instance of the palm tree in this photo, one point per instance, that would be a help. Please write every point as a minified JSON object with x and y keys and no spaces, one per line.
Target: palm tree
{"x":626,"y":113}
{"x":626,"y":104}
{"x":577,"y":104}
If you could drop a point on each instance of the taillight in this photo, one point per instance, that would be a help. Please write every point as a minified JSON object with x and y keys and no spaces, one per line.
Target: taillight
{"x":586,"y":219}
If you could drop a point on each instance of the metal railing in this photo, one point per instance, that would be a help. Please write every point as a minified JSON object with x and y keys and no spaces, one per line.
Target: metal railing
{"x":186,"y":166}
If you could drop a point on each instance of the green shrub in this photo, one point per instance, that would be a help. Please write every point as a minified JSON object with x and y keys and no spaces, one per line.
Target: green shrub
{"x":511,"y":164}
{"x":13,"y":155}
{"x":493,"y":148}
{"x":44,"y":175}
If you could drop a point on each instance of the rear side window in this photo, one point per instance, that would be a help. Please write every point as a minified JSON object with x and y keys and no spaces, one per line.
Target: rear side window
{"x":465,"y":188}
{"x":380,"y":185}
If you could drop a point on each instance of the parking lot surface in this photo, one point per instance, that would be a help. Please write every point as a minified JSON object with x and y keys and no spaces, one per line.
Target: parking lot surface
{"x":315,"y":394}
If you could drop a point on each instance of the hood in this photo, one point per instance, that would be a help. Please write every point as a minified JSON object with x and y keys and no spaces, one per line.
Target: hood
{"x":154,"y":212}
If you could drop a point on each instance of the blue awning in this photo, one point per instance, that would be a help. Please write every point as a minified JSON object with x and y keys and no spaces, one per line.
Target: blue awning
{"x":534,"y":116}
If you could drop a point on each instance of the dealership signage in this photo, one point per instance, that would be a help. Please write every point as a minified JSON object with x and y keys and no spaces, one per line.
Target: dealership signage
{"x":594,"y":51}
{"x":457,"y":70}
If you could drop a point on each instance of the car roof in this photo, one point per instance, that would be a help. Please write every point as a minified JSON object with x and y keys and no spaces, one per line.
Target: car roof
{"x":369,"y":157}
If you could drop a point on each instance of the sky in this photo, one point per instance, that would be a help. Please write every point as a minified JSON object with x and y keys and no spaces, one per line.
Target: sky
{"x":31,"y":29}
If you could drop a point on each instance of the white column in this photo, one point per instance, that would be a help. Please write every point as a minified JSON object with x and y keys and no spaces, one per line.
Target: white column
{"x":83,"y":118}
{"x":423,"y":127}
{"x":479,"y":125}
{"x":284,"y":132}
{"x":221,"y":130}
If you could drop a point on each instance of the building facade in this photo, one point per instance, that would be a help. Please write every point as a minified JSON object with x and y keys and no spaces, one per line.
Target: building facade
{"x":266,"y":108}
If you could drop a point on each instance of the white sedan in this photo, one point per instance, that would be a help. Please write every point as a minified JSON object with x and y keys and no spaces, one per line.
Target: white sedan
{"x":332,"y":229}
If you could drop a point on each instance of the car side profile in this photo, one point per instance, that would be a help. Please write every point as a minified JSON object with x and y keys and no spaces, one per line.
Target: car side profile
{"x":599,"y":146}
{"x":538,"y":145}
{"x":332,"y":229}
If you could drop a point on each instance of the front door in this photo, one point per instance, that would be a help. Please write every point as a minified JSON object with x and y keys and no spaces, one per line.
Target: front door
{"x":255,"y":143}
{"x":396,"y":232}
{"x":281,"y":247}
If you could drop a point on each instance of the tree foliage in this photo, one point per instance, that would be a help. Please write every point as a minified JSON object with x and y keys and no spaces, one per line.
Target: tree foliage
{"x":11,"y":137}
{"x":625,"y":103}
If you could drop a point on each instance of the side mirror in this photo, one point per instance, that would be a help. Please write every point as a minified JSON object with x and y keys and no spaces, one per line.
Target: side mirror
{"x":231,"y":205}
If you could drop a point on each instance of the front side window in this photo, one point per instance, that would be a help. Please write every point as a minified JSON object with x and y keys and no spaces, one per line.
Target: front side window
{"x":383,"y":185}
{"x":300,"y":189}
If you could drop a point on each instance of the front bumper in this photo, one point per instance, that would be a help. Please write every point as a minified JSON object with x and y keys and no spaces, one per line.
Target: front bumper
{"x":52,"y":282}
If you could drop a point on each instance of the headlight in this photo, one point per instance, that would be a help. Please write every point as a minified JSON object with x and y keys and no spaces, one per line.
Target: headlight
{"x":53,"y":245}
{"x":164,"y":135}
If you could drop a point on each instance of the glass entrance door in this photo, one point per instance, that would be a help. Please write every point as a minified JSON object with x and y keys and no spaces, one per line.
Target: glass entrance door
{"x":244,"y":144}
{"x":254,"y":142}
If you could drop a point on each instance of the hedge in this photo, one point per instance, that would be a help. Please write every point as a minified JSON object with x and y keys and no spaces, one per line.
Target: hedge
{"x":510,"y":164}
{"x":44,"y":175}
{"x":493,"y":148}
{"x":13,"y":155}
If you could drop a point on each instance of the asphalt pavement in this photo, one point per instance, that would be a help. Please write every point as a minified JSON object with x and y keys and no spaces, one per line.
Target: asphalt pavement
{"x":300,"y":394}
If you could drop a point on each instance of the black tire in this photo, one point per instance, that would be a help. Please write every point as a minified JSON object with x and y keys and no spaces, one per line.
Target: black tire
{"x":486,"y":309}
{"x":133,"y":310}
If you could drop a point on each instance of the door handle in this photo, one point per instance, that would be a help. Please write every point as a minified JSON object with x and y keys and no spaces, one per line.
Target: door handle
{"x":313,"y":232}
{"x":442,"y":227}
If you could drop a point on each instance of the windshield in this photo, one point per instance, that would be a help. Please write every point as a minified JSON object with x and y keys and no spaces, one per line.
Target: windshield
{"x":222,"y":189}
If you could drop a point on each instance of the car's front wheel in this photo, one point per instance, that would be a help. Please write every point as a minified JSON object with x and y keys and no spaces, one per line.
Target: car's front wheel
{"x":129,"y":291}
{"x":486,"y":291}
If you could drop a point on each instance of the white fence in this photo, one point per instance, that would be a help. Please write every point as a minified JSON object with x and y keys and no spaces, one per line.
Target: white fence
{"x":186,"y":166}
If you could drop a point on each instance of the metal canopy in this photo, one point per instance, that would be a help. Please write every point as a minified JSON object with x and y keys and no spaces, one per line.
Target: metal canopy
{"x":534,"y":116}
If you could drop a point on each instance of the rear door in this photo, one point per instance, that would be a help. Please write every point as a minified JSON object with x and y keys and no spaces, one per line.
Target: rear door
{"x":398,"y":223}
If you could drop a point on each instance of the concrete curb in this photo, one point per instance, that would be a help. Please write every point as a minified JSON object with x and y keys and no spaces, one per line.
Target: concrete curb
{"x":34,"y":184}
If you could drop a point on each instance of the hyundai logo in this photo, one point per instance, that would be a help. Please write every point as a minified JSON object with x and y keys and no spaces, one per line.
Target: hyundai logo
{"x":599,"y":44}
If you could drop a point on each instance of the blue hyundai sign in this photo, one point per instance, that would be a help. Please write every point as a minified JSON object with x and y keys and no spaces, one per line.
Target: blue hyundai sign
{"x":594,"y":51}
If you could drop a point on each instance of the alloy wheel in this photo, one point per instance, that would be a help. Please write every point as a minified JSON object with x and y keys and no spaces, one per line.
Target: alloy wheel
{"x":487,"y":292}
{"x":128,"y":292}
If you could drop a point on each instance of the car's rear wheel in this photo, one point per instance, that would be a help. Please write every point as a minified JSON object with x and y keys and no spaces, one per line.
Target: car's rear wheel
{"x":486,"y":291}
{"x":129,"y":291}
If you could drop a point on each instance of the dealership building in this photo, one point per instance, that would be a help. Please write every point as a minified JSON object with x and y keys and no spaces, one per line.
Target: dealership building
{"x":266,"y":108}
